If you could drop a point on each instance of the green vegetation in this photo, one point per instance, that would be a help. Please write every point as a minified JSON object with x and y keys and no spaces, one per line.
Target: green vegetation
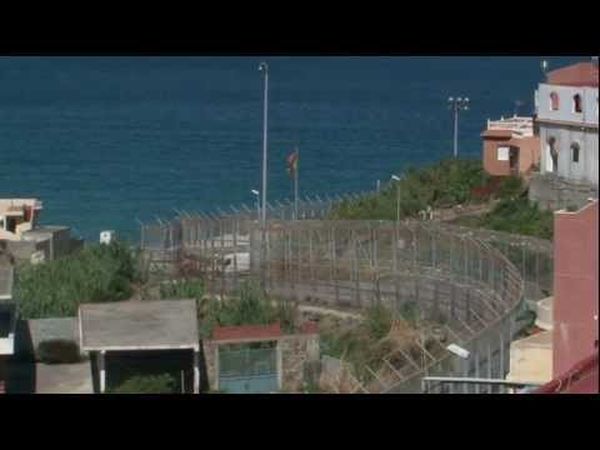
{"x":98,"y":273}
{"x":450,"y":183}
{"x":440,"y":185}
{"x":58,"y":351}
{"x":147,"y":384}
{"x":361,"y":345}
{"x":519,"y":216}
{"x":182,"y":289}
{"x":249,"y":306}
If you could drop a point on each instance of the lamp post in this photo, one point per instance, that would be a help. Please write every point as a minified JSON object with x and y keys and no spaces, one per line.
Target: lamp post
{"x":263,"y":67}
{"x":257,"y":194}
{"x":457,"y":104}
{"x":397,"y":179}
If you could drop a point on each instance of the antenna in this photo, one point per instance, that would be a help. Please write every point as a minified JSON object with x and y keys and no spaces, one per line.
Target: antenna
{"x":544,"y":66}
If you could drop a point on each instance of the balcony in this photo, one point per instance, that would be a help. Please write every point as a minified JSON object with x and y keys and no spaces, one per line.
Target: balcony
{"x":521,"y":126}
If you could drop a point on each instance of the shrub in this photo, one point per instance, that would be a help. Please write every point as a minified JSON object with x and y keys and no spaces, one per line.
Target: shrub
{"x":520,"y":216}
{"x":378,"y":321}
{"x":178,"y":289}
{"x":444,"y":184}
{"x":98,"y":273}
{"x":58,"y":351}
{"x":147,"y":384}
{"x":249,"y":306}
{"x":511,"y":187}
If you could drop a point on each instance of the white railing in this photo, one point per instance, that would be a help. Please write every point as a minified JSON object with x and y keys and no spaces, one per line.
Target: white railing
{"x":521,"y":125}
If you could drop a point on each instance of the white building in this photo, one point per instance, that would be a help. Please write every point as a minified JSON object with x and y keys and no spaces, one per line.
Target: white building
{"x":567,"y":116}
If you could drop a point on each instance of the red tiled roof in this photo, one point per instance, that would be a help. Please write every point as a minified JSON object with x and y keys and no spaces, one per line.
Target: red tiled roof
{"x":582,"y":378}
{"x":581,"y":74}
{"x":243,"y":332}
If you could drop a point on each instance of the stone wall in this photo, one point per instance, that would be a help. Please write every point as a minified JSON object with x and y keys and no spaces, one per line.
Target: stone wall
{"x":553,"y":192}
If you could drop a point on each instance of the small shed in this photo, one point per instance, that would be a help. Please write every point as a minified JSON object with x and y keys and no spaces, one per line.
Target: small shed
{"x":118,"y":334}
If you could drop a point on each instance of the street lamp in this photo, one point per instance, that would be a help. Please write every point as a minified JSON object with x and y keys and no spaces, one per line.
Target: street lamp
{"x":457,"y":104}
{"x":263,"y":67}
{"x":397,"y":179}
{"x":257,"y":194}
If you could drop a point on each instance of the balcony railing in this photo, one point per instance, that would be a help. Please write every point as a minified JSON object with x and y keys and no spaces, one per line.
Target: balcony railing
{"x":521,"y":125}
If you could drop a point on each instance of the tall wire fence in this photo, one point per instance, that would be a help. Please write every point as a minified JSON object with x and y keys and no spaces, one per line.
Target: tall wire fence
{"x":467,"y":286}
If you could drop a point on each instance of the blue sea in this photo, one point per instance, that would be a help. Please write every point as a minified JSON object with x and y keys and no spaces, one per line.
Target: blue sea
{"x":107,"y":141}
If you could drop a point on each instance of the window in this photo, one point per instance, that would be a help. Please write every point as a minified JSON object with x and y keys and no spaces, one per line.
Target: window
{"x":503,"y":153}
{"x":552,"y":155}
{"x":577,"y":103}
{"x":554,"y":101}
{"x":575,"y":152}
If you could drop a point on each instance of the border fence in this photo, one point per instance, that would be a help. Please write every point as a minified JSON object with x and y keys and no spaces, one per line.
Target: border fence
{"x":466,"y":285}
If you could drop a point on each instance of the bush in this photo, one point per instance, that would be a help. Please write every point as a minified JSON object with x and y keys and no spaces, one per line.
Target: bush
{"x":249,"y":306}
{"x":147,"y":384}
{"x":182,"y":289}
{"x":520,"y":216}
{"x":444,"y":184}
{"x":58,"y":351}
{"x":378,"y":321}
{"x":98,"y":273}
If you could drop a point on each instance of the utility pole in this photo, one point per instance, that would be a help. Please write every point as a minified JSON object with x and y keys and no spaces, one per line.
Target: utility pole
{"x":263,"y":67}
{"x":456,"y":105}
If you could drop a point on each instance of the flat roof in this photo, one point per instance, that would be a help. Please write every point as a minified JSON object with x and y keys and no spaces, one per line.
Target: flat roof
{"x":139,"y":325}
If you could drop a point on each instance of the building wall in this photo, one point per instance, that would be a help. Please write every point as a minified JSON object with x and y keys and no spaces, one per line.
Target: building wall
{"x":589,"y":114}
{"x":584,"y":171}
{"x":531,"y":359}
{"x":299,"y":352}
{"x":575,"y":286}
{"x":553,"y":192}
{"x":529,"y":154}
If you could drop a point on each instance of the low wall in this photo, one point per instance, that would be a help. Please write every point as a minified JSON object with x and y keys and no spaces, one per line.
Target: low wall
{"x":553,"y":192}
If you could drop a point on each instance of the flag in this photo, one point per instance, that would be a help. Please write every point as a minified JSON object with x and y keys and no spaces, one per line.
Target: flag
{"x":292,"y":163}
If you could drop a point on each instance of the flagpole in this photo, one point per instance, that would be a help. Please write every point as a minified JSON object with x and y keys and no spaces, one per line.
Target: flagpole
{"x":296,"y":183}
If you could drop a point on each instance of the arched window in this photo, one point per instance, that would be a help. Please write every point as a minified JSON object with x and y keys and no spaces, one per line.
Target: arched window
{"x":575,"y":152}
{"x":577,"y":103}
{"x":552,"y":155}
{"x":554,"y":101}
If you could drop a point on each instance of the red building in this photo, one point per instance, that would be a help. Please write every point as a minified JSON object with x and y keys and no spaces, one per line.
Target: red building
{"x":575,"y":339}
{"x":510,"y":147}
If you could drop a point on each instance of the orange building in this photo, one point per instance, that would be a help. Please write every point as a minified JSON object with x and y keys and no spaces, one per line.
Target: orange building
{"x":510,"y":147}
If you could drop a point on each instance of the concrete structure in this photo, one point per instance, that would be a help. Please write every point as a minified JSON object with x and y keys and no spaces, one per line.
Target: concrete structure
{"x":8,"y":319}
{"x":26,"y":240}
{"x":575,"y":286}
{"x":18,"y":215}
{"x":531,"y":357}
{"x":295,"y":353}
{"x":567,"y":117}
{"x":510,"y":147}
{"x":117,"y":332}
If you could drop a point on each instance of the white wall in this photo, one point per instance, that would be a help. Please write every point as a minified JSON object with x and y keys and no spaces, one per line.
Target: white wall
{"x":586,"y":170}
{"x":589,"y":114}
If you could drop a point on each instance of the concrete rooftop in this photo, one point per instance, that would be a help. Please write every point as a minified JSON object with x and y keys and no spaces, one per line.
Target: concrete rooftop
{"x":145,"y":325}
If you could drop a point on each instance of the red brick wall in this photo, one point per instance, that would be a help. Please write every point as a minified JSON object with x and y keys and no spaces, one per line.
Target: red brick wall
{"x":575,"y":287}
